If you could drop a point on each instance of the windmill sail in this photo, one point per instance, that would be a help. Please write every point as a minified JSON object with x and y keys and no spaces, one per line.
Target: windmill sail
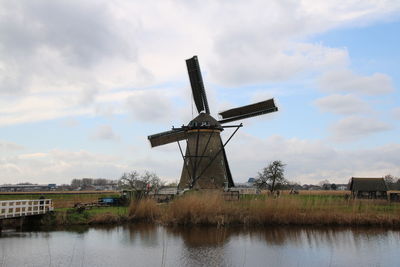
{"x":167,"y":137}
{"x":248,"y":111}
{"x":196,"y":82}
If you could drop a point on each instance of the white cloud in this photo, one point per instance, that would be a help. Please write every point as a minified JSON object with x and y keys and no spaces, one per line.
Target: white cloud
{"x":56,"y":50}
{"x":99,"y":58}
{"x":104,"y":132}
{"x":342,"y":104}
{"x":58,"y":166}
{"x":310,"y":161}
{"x":396,"y":113}
{"x":70,"y":123}
{"x":9,"y":146}
{"x":38,"y":155}
{"x":150,"y":106}
{"x":258,"y":41}
{"x":256,"y":64}
{"x":348,"y":82}
{"x":355,"y":127}
{"x":61,"y":166}
{"x":37,"y":108}
{"x":58,"y":40}
{"x":307,"y":162}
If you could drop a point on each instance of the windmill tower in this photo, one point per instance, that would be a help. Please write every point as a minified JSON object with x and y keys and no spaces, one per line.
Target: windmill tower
{"x":205,"y":165}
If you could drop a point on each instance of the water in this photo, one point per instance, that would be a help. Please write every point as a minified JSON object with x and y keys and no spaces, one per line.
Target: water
{"x":149,"y":245}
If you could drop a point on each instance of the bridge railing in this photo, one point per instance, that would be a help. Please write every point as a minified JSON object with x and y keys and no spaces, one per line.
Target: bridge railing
{"x":26,"y":207}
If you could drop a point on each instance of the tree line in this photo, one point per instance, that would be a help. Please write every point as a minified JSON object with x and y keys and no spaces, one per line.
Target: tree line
{"x":270,"y":178}
{"x":392,"y":182}
{"x":89,"y":182}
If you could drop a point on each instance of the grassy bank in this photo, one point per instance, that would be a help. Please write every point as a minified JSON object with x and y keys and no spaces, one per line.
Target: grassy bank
{"x":70,"y":216}
{"x":212,"y":209}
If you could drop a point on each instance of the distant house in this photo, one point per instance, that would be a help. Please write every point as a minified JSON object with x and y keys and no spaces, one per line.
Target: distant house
{"x":314,"y":187}
{"x":251,"y":180}
{"x":106,"y":187}
{"x":341,"y":187}
{"x":251,"y":183}
{"x":27,"y":187}
{"x":165,"y":190}
{"x":372,"y":188}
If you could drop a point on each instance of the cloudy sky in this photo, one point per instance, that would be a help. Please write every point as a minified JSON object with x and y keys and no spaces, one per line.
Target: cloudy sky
{"x":82,"y":84}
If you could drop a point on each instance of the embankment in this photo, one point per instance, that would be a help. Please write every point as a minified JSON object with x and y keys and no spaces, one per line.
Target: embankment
{"x":212,"y":209}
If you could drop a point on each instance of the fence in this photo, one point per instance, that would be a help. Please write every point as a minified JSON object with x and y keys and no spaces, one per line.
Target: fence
{"x":20,"y":208}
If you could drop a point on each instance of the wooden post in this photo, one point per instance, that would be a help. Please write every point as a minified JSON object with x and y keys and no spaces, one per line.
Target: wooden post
{"x":20,"y":223}
{"x":1,"y":226}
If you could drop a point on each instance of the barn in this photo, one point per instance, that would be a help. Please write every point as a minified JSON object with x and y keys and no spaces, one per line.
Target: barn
{"x":368,"y":188}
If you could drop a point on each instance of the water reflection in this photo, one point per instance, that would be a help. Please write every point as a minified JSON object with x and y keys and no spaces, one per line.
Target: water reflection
{"x":151,"y":245}
{"x":203,"y":245}
{"x":202,"y":236}
{"x":142,"y":234}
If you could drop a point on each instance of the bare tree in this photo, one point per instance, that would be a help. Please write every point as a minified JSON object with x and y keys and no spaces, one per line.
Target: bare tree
{"x":130,"y":181}
{"x":324,"y":182}
{"x":390,"y":181}
{"x":75,"y":183}
{"x":136,"y":182}
{"x":272,"y":176}
{"x":152,"y":181}
{"x":101,"y":181}
{"x":87,"y":182}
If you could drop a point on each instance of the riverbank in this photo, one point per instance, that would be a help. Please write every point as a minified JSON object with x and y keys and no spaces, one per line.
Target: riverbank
{"x":212,"y":209}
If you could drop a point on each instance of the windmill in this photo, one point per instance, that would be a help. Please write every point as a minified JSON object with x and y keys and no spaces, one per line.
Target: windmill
{"x":205,"y":165}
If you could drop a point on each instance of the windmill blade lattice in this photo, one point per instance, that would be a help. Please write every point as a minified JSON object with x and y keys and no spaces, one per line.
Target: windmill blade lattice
{"x":167,"y":137}
{"x":196,"y":82}
{"x":248,"y":111}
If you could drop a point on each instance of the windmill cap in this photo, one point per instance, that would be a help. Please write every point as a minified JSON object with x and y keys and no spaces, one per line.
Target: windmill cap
{"x":204,"y":120}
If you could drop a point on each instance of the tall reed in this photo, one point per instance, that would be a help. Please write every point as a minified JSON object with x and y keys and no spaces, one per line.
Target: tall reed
{"x":144,"y":210}
{"x":211,"y":208}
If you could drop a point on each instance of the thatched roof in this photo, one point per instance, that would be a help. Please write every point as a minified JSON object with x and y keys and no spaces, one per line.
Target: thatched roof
{"x":367,"y":184}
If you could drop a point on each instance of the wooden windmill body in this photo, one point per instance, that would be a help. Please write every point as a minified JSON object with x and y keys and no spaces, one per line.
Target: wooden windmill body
{"x":205,"y":164}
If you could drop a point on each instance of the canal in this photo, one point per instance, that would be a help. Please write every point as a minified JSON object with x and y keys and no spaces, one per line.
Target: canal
{"x":150,"y":245}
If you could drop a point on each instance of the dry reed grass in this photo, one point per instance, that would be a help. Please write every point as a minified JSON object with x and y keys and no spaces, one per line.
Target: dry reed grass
{"x":321,"y":192}
{"x":211,"y":209}
{"x":144,"y":210}
{"x":208,"y":208}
